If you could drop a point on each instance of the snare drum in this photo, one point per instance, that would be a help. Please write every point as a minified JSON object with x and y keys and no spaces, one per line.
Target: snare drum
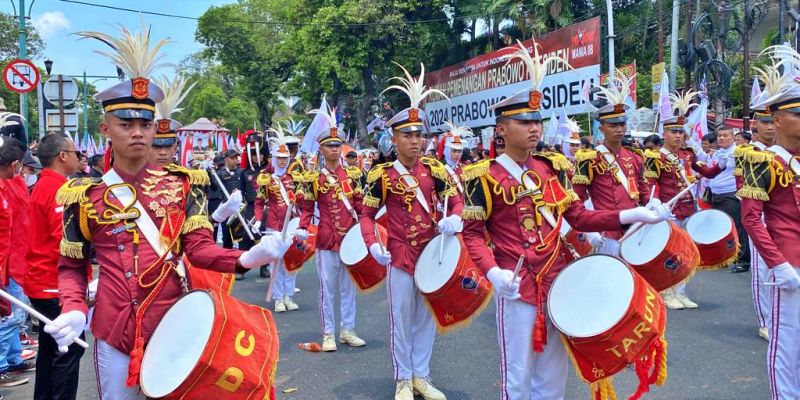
{"x":609,"y":315}
{"x":714,"y":233}
{"x":663,"y":254}
{"x":209,"y":346}
{"x":454,"y":287}
{"x":300,"y":251}
{"x":367,"y":274}
{"x":578,"y":240}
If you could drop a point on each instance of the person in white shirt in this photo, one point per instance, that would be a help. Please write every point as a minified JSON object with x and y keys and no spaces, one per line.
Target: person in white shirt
{"x":723,"y":194}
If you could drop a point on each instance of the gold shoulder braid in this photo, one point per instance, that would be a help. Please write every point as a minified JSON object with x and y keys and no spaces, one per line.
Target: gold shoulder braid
{"x":354,"y":173}
{"x":474,"y":171}
{"x":263,"y":179}
{"x":557,"y":160}
{"x":585,"y":155}
{"x":760,"y":173}
{"x":75,"y":190}
{"x":652,"y":164}
{"x":196,"y":176}
{"x":377,"y":172}
{"x":437,"y":168}
{"x":739,"y":158}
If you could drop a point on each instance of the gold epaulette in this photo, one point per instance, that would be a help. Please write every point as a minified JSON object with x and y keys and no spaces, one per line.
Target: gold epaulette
{"x":755,"y":155}
{"x":263,"y":179}
{"x":742,"y":150}
{"x":294,"y":165}
{"x":557,"y":160}
{"x":377,"y":172}
{"x":636,"y":151}
{"x":196,"y":176}
{"x":756,"y":166}
{"x":474,"y":171}
{"x":354,"y":173}
{"x":309,"y":176}
{"x":75,"y":190}
{"x":652,"y":154}
{"x":437,"y":168}
{"x":585,"y":154}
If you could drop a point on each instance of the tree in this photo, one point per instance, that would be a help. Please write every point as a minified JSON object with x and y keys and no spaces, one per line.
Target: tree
{"x":9,"y":36}
{"x":208,"y":102}
{"x":239,"y":114}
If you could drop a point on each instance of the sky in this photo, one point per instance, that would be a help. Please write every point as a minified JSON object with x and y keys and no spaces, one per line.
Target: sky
{"x":56,"y":20}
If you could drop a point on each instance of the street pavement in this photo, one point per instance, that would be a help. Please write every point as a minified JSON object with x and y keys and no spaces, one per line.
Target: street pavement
{"x":714,"y":351}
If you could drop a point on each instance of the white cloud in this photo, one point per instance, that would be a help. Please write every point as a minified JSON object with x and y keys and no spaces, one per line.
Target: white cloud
{"x":50,"y":23}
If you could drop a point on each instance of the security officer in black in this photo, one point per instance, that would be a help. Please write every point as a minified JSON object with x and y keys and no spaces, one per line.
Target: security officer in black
{"x":257,"y":159}
{"x":231,"y":175}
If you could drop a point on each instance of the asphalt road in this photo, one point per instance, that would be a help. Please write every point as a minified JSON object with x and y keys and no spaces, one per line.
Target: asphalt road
{"x":714,"y":352}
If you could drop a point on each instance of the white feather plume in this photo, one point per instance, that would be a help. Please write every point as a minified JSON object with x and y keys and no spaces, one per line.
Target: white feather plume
{"x":330,"y":113}
{"x":174,"y":93}
{"x":457,"y":130}
{"x":132,"y":51}
{"x":278,"y":139}
{"x":682,"y":103}
{"x":618,"y":89}
{"x":415,"y":89}
{"x":572,"y":125}
{"x":537,"y":68}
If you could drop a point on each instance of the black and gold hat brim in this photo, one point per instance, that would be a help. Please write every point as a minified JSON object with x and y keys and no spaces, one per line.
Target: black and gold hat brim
{"x":409,"y":128}
{"x":613,"y":119}
{"x":525,"y":116}
{"x":133,"y":113}
{"x":164,"y":142}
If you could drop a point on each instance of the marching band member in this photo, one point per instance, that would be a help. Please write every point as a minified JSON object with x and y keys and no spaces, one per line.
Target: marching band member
{"x":671,"y":169}
{"x":337,"y":193}
{"x":611,"y":174}
{"x":763,"y":137}
{"x":409,"y":187}
{"x":450,"y":150}
{"x":141,"y":218}
{"x":520,"y":199}
{"x":772,"y":219}
{"x":275,"y":193}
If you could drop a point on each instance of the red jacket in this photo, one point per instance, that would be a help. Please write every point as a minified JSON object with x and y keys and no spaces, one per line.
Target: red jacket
{"x":671,"y":174}
{"x":5,"y":232}
{"x":269,"y":197}
{"x":45,"y":237}
{"x":20,"y":200}
{"x":334,"y":219}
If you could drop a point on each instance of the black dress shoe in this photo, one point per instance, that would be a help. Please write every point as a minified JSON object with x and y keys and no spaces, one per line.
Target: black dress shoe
{"x":737,"y":268}
{"x":264,"y":271}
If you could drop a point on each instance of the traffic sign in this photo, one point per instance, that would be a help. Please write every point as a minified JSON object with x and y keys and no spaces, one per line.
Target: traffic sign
{"x":54,"y":120}
{"x":21,"y":76}
{"x":68,"y":91}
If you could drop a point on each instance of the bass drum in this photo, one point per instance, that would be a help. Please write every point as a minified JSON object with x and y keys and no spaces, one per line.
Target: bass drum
{"x":366,"y":273}
{"x":714,"y":233}
{"x":301,"y":250}
{"x":663,"y":254}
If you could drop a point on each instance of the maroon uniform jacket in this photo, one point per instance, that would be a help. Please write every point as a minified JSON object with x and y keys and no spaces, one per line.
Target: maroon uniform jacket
{"x":515,"y":225}
{"x":672,"y":172}
{"x":92,"y":214}
{"x":269,"y":197}
{"x":595,"y":177}
{"x":411,"y":227}
{"x":334,"y":218}
{"x":772,"y":188}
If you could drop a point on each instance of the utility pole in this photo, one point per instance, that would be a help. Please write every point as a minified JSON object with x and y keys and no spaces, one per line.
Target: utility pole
{"x":746,"y":67}
{"x":690,"y":40}
{"x":23,"y":55}
{"x":781,"y":16}
{"x":611,"y":61}
{"x":85,"y":106}
{"x":660,"y":8}
{"x":673,"y":46}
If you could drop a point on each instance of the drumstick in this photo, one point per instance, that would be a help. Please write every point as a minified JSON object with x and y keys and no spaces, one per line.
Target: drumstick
{"x":30,"y":310}
{"x":671,"y":203}
{"x":441,"y":242}
{"x":378,"y":236}
{"x":518,"y":268}
{"x":245,"y":226}
{"x":279,"y":264}
{"x":635,"y":227}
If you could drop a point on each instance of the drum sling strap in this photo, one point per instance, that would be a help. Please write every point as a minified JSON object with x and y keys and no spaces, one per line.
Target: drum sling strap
{"x":455,"y":178}
{"x":330,"y":178}
{"x":165,"y":259}
{"x":408,"y":180}
{"x":513,"y":169}
{"x":619,"y":174}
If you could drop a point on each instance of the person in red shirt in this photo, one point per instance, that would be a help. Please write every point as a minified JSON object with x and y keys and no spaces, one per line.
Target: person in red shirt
{"x":56,"y":374}
{"x":11,"y":154}
{"x":141,"y":219}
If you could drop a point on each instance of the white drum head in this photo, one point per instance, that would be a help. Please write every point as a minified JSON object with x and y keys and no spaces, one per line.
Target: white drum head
{"x":381,"y":212}
{"x":353,"y":249}
{"x":294,"y":223}
{"x":709,"y":226}
{"x":645,"y":244}
{"x":429,"y":274}
{"x":590,"y":296}
{"x":176,"y":344}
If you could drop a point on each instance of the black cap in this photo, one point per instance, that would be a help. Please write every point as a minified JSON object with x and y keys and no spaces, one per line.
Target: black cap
{"x":351,"y":153}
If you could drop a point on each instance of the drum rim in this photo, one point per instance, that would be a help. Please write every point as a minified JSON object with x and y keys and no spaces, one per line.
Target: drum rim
{"x":417,"y":266}
{"x":143,"y":375}
{"x":731,"y":226}
{"x":629,"y":242}
{"x":622,"y":315}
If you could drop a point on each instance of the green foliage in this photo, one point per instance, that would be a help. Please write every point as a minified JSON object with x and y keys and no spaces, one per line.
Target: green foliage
{"x":9,"y":38}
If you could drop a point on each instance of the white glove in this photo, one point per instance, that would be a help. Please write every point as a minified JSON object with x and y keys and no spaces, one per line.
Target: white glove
{"x":228,"y":208}
{"x":642,"y":214}
{"x":256,"y":228}
{"x":785,"y":277}
{"x":654,"y":202}
{"x":450,"y":225}
{"x":66,"y":328}
{"x":383,"y":257}
{"x":595,"y":239}
{"x":270,"y":249}
{"x":301,"y":234}
{"x":503,"y":285}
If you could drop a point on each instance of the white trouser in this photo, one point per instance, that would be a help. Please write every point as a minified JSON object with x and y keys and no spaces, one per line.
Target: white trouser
{"x":332,"y":273}
{"x":680,"y":288}
{"x":284,"y":282}
{"x":761,"y":294}
{"x":412,"y":329}
{"x":783,"y":357}
{"x":610,"y":247}
{"x":111,"y":366}
{"x":525,"y":374}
